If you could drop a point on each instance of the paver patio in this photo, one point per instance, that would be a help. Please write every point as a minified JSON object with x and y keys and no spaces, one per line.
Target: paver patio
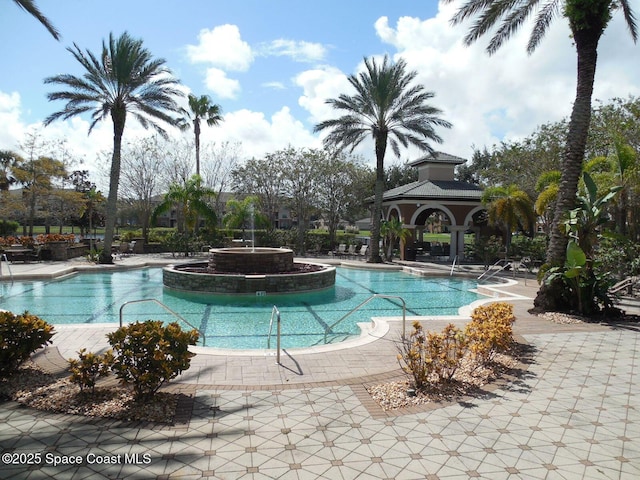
{"x":572,"y":414}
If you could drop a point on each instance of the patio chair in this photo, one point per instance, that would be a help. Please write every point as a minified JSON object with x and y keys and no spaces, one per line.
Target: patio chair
{"x":342,"y":250}
{"x":363,"y":251}
{"x":351,"y":252}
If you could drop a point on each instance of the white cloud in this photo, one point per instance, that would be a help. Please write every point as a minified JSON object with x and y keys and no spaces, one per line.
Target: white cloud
{"x":217,"y":81}
{"x":259,"y":134}
{"x":318,"y":85}
{"x":299,"y":51}
{"x":274,"y":85}
{"x":222,"y":47}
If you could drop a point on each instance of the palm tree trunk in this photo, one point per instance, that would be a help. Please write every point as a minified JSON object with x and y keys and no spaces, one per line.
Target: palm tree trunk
{"x":381,"y":146}
{"x":586,"y":41}
{"x":112,"y":200}
{"x":196,"y":131}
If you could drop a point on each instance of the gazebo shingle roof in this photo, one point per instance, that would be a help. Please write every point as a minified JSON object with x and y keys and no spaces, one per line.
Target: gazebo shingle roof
{"x":435,"y":190}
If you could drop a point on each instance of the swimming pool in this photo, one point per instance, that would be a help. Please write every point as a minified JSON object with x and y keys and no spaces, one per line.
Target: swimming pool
{"x":239,"y":322}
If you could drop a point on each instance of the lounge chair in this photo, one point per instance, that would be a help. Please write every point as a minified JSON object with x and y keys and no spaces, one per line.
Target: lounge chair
{"x":342,"y":250}
{"x":351,"y":252}
{"x":363,"y":251}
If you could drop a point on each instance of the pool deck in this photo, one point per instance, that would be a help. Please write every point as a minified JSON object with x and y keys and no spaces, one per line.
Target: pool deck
{"x":570,"y":413}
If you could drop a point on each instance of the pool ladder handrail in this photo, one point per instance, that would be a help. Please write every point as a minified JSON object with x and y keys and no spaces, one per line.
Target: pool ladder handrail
{"x":495,"y":272}
{"x":6,"y":259}
{"x":372,"y":297}
{"x":453,"y":265}
{"x":178,"y":316}
{"x":275,"y":312}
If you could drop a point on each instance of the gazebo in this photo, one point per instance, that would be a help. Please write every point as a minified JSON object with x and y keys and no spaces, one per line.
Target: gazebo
{"x":454,"y":203}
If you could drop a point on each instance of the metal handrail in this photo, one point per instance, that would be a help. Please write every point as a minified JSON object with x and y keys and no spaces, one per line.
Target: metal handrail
{"x":180,"y":317}
{"x":453,"y":265}
{"x":495,"y":272}
{"x":6,"y":259}
{"x":276,"y":312}
{"x":377,"y":295}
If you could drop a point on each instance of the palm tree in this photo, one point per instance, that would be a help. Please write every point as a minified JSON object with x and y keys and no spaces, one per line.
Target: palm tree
{"x":31,"y":8}
{"x":123,"y":79}
{"x":392,"y":230}
{"x":389,"y":109}
{"x":201,"y":109}
{"x":588,"y":19}
{"x":242,"y":214}
{"x":547,"y":187}
{"x":508,"y":206}
{"x":191,"y":198}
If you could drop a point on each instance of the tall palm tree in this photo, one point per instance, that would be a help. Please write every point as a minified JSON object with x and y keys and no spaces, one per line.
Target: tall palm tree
{"x":588,"y":19}
{"x":390,"y":109}
{"x":508,"y":206}
{"x":123,"y":79}
{"x":31,"y":8}
{"x":201,"y":108}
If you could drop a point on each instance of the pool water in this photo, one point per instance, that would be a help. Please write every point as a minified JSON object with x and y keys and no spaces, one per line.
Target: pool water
{"x":239,"y":322}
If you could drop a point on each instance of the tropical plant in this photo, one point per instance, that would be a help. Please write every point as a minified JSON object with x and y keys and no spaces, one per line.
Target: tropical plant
{"x":8,"y":162}
{"x":192,"y":200}
{"x":547,"y":187}
{"x":588,"y":19}
{"x":509,"y":207}
{"x":391,"y":231}
{"x":31,"y":8}
{"x":123,"y":79}
{"x":20,"y":336}
{"x":200,"y":108}
{"x":243,"y":214}
{"x":391,"y":109}
{"x":583,"y":228}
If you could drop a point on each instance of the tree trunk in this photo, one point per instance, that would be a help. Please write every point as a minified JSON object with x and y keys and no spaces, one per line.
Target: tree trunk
{"x":118,"y":118}
{"x":196,"y":131}
{"x":586,"y":41}
{"x":381,"y":146}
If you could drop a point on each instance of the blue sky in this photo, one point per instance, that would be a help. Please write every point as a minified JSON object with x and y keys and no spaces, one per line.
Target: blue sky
{"x":272,"y":64}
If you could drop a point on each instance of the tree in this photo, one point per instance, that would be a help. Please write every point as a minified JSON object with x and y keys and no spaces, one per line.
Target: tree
{"x":391,"y":231}
{"x":588,"y":19}
{"x":192,"y":200}
{"x":140,"y":181}
{"x":243,"y":214}
{"x":8,"y":161}
{"x":123,"y":79}
{"x":392,"y":111}
{"x":31,"y":8}
{"x":508,"y":206}
{"x":201,"y":108}
{"x":547,"y":188}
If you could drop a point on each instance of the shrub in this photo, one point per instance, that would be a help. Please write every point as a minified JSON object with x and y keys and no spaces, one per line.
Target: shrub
{"x":8,"y":227}
{"x":490,"y":331}
{"x":148,"y":354}
{"x":90,"y":366}
{"x":432,"y":357}
{"x":20,"y":336}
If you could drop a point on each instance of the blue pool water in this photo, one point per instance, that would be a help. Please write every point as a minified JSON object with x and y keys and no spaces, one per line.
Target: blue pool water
{"x":238,"y":322}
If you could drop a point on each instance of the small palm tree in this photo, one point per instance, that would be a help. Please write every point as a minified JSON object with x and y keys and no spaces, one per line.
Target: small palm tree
{"x":242,"y":214}
{"x":392,"y":230}
{"x":123,"y":79}
{"x":30,"y":7}
{"x":547,"y":187}
{"x":389,"y":109}
{"x":192,"y":200}
{"x":508,"y":206}
{"x":201,"y":108}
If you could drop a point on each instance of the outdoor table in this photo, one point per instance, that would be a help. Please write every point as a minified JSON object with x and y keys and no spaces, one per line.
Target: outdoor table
{"x":15,"y":254}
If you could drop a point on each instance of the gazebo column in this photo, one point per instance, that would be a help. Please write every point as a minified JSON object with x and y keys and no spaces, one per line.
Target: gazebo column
{"x":457,"y":242}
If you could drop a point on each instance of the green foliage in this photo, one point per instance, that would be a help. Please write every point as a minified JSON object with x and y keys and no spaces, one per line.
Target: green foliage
{"x":89,"y":367}
{"x":432,"y":357}
{"x":148,"y":354}
{"x":490,"y":331}
{"x":580,"y":273}
{"x":484,"y":249}
{"x":20,"y":336}
{"x":8,"y":227}
{"x":618,"y":255}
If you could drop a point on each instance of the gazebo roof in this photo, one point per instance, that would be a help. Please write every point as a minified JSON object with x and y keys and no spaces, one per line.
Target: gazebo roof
{"x":438,"y":157}
{"x":435,"y":190}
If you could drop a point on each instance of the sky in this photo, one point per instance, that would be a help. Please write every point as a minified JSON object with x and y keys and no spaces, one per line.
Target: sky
{"x":271,"y":66}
